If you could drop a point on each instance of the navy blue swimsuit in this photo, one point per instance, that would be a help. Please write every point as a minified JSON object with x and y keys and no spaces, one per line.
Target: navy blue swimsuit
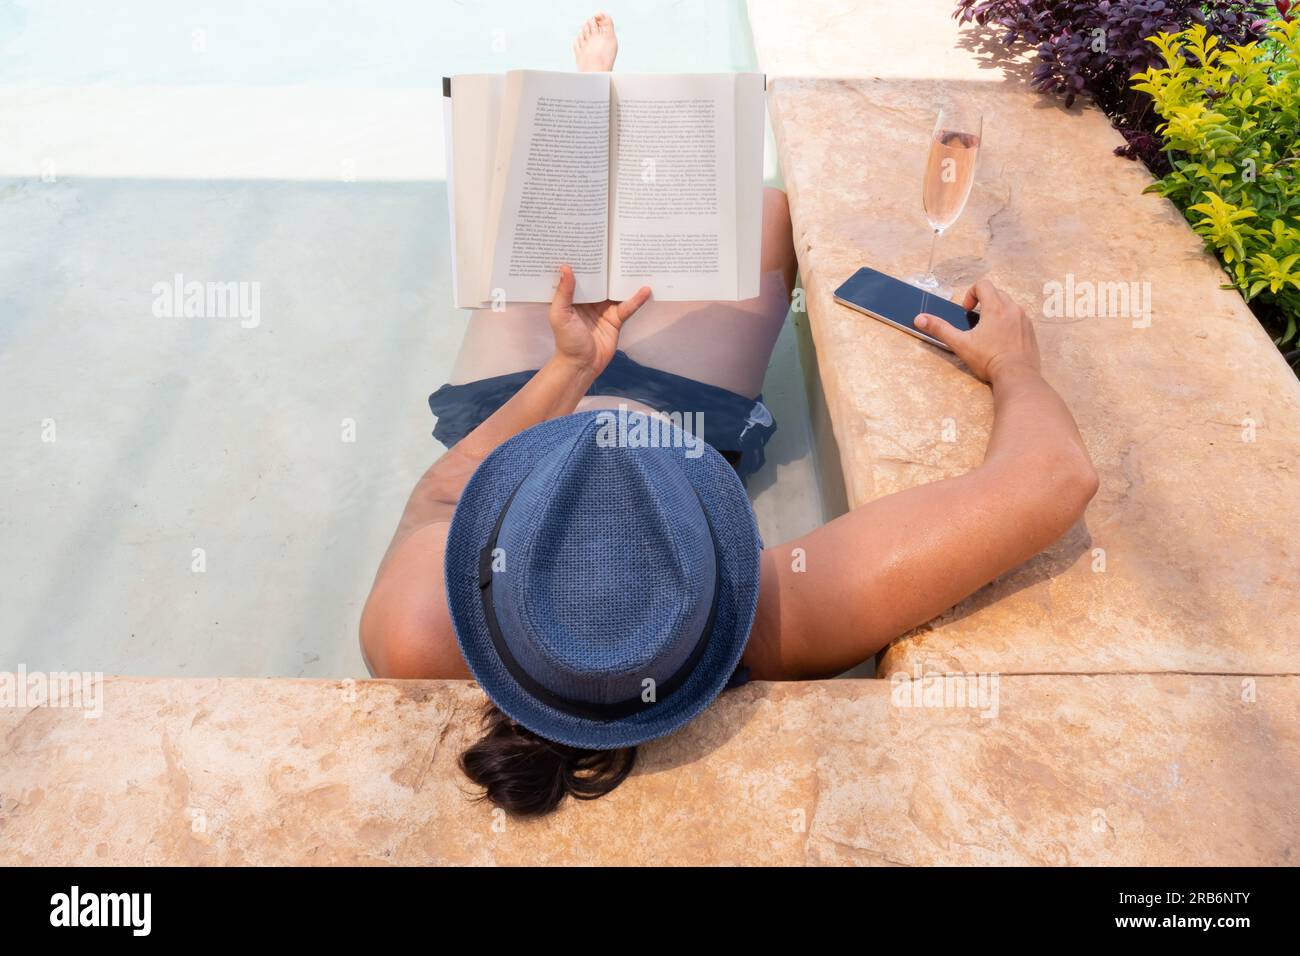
{"x":736,"y":426}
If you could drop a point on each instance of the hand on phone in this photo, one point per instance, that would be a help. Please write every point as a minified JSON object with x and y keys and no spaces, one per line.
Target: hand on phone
{"x":1004,"y":333}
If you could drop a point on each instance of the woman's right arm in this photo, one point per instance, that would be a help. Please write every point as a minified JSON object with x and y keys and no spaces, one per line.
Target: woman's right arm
{"x":894,"y":563}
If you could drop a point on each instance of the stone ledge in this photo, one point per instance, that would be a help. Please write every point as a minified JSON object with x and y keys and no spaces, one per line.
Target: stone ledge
{"x":1071,"y":770}
{"x":1199,"y":561}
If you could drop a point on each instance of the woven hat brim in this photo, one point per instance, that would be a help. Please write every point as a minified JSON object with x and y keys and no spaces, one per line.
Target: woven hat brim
{"x":738,"y":544}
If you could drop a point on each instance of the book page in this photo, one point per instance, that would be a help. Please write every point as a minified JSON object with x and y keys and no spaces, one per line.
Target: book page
{"x":672,"y":186}
{"x":751,"y":94}
{"x":550,"y":187}
{"x":472,"y":115}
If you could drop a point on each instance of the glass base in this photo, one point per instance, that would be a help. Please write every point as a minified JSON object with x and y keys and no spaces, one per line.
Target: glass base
{"x":931,"y":284}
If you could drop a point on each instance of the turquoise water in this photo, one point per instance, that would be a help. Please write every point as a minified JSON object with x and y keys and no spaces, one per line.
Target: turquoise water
{"x":142,"y":140}
{"x":357,"y":43}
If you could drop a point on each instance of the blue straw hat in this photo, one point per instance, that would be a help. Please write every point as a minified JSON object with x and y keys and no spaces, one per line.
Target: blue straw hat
{"x":602,"y":594}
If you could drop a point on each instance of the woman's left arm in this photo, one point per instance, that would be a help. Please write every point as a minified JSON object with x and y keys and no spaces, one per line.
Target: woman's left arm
{"x":586,"y":337}
{"x":405,"y":626}
{"x":552,"y":393}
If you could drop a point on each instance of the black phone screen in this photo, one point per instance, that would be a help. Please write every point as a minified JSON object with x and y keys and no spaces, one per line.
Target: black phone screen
{"x":900,"y":302}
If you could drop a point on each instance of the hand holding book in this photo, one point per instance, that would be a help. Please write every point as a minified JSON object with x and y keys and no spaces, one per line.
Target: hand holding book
{"x":586,"y":334}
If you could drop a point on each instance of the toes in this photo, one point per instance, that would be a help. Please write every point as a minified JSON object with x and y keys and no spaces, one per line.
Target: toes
{"x":600,"y":25}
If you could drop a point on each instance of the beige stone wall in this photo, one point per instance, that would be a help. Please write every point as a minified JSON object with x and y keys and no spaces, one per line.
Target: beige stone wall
{"x":1155,"y":770}
{"x":1200,"y":560}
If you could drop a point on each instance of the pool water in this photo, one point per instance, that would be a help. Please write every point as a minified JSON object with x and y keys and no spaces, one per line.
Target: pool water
{"x":210,"y":494}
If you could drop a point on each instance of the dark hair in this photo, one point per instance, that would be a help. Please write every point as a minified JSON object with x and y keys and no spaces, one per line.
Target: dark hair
{"x":528,"y":776}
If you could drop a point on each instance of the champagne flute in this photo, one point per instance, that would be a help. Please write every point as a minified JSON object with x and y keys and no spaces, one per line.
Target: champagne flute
{"x":949,"y":174}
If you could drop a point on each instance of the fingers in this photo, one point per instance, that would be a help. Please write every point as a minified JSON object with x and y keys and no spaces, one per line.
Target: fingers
{"x":628,"y":306}
{"x":564,"y":289}
{"x":982,"y":291}
{"x":937,"y":328}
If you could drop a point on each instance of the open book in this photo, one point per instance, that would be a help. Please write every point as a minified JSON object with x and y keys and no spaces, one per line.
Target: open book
{"x":631,"y":179}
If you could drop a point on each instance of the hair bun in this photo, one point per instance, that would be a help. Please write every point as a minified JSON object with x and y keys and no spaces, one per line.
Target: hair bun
{"x":527,"y":775}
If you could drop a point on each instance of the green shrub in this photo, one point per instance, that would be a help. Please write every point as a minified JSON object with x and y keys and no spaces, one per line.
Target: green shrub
{"x":1231,"y":127}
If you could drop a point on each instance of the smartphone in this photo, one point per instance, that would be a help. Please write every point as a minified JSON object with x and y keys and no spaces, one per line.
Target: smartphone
{"x":898,"y":303}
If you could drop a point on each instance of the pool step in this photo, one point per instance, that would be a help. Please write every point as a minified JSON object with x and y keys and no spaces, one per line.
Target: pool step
{"x":1148,"y":770}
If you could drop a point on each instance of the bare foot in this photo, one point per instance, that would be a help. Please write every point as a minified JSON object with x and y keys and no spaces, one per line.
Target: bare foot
{"x":596,"y":45}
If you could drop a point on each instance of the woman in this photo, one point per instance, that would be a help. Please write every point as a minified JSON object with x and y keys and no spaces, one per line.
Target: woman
{"x":603,"y":592}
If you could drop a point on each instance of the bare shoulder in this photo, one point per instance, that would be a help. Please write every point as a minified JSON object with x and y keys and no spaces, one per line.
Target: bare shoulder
{"x":406,"y":628}
{"x":768,"y":650}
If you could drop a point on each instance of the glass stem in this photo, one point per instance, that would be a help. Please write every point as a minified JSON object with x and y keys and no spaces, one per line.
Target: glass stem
{"x":929,"y":269}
